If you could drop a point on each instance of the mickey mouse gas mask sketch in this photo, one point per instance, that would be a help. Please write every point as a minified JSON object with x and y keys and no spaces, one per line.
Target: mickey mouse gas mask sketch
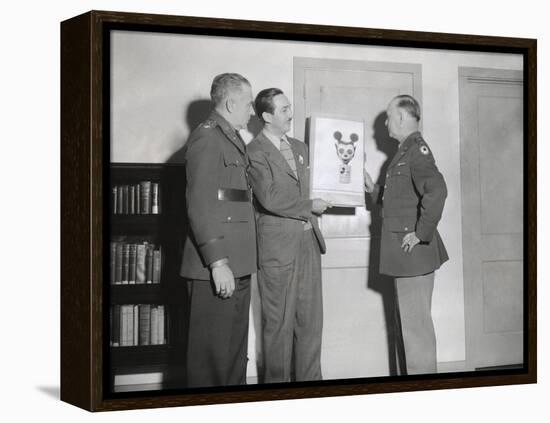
{"x":345,"y":149}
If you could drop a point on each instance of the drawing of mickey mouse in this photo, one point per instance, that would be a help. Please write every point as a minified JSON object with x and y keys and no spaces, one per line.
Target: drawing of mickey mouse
{"x":345,"y":149}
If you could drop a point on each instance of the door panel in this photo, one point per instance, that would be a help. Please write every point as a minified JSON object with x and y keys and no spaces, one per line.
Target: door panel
{"x":491,"y":137}
{"x":355,"y":89}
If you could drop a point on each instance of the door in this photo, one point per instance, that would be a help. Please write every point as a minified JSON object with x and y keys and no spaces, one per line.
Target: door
{"x":357,"y":299}
{"x":491,"y":145}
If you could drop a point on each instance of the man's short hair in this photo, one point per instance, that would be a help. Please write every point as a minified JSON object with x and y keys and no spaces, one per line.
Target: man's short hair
{"x":224,"y":83}
{"x":409,"y":104}
{"x":264,"y":101}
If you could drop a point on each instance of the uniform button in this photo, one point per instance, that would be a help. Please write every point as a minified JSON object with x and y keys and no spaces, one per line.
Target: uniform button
{"x":385,"y":186}
{"x":387,"y":175}
{"x":399,"y":173}
{"x":406,"y":228}
{"x":228,"y":218}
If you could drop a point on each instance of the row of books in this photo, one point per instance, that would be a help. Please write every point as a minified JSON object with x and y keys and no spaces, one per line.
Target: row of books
{"x":135,"y":263}
{"x":140,"y":198}
{"x":137,"y":324}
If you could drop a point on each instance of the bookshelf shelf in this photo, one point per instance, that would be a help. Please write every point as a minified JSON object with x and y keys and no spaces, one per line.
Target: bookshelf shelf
{"x":148,"y":321}
{"x":134,"y":224}
{"x":140,"y":358}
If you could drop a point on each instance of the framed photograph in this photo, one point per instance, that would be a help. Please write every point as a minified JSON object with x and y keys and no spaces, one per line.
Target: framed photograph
{"x":337,"y":157}
{"x":445,"y":126}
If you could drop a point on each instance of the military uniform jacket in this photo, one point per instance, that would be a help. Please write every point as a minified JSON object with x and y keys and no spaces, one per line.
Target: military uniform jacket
{"x":219,"y":207}
{"x":282,"y":200}
{"x":413,"y":199}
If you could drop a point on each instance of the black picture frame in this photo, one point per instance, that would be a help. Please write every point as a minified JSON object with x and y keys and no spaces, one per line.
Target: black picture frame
{"x":85,"y":217}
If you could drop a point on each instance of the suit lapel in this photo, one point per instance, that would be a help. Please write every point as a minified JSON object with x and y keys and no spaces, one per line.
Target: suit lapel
{"x":275,"y":155}
{"x":299,"y":159}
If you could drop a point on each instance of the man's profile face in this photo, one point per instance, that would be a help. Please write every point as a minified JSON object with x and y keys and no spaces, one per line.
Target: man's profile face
{"x":392,"y":120}
{"x":282,"y":114}
{"x":242,"y":106}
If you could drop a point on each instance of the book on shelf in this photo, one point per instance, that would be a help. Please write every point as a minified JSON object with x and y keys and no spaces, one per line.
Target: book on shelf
{"x":118,"y":262}
{"x":157,"y":258}
{"x":140,"y":266}
{"x":125,"y":203}
{"x":135,"y":263}
{"x":143,"y":197}
{"x":132,"y":199}
{"x":119,"y":208}
{"x":112,"y":266}
{"x":125,"y":263}
{"x":161,"y":325}
{"x":137,"y":325}
{"x":155,"y":198}
{"x":114,"y":199}
{"x":145,"y":324}
{"x":132,"y":264}
{"x":145,"y":190}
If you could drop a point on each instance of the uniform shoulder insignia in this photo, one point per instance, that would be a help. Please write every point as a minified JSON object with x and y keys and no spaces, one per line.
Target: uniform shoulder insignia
{"x":424,"y":149}
{"x":209,"y":124}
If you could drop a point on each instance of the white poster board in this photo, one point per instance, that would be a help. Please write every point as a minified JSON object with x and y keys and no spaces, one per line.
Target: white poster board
{"x":337,"y":154}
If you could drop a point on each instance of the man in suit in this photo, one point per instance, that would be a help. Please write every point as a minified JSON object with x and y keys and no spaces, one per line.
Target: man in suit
{"x":411,"y":248}
{"x":290,"y":245}
{"x":220,"y":250}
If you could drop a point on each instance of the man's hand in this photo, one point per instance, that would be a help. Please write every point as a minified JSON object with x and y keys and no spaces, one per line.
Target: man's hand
{"x":223,"y":279}
{"x":369,"y":184}
{"x":319,"y":206}
{"x":409,"y":242}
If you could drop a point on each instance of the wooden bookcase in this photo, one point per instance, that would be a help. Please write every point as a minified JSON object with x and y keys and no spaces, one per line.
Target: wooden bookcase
{"x":166,"y":231}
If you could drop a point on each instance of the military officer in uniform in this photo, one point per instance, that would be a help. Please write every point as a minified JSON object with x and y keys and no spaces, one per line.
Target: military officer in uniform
{"x":290,"y":245}
{"x":220,"y":250}
{"x":411,"y":248}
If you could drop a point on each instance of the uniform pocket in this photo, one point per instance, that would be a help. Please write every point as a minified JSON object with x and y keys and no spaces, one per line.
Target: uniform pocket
{"x":400,"y":223}
{"x":400,"y":182}
{"x":233,"y":160}
{"x":235,"y":211}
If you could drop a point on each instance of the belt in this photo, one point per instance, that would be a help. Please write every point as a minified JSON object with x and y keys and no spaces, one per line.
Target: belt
{"x":400,"y":212}
{"x":228,"y":194}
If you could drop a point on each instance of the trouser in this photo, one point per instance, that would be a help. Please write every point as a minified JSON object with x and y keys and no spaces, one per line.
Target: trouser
{"x":414,"y":315}
{"x":292,"y":315}
{"x":218,"y":334}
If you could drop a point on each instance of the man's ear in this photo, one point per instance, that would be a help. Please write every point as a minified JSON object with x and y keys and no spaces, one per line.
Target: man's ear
{"x":229,"y":104}
{"x":267,"y":117}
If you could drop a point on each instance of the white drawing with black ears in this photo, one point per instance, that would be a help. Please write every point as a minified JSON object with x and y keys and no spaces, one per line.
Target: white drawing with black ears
{"x":345,"y":149}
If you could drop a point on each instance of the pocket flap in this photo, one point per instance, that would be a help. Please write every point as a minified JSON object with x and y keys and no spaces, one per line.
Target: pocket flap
{"x":400,"y":223}
{"x":233,"y":160}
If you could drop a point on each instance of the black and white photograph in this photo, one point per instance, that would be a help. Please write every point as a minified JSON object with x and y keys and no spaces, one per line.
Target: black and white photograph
{"x":288,"y":211}
{"x":233,"y":211}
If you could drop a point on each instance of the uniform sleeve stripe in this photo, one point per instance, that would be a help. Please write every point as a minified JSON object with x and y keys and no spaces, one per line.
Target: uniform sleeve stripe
{"x":210,"y":241}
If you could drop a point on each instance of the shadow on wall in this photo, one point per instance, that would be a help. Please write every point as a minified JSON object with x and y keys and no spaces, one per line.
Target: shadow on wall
{"x":197,"y":112}
{"x":377,"y":282}
{"x":255,"y":125}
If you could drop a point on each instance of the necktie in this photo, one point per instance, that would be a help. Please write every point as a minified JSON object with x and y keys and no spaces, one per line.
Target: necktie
{"x":286,"y":151}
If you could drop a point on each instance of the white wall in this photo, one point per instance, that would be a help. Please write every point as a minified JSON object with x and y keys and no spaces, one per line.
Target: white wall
{"x":157,"y":76}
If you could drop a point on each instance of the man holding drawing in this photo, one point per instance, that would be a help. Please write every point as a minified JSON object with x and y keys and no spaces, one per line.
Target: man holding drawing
{"x":290,"y":245}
